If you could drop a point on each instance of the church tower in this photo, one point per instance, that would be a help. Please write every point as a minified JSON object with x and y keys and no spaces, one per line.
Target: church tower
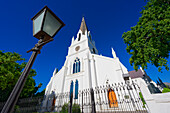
{"x":83,"y":41}
{"x":77,"y":60}
{"x":84,"y":68}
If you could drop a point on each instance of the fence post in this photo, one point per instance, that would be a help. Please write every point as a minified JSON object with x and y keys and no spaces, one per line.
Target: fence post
{"x":92,"y":101}
{"x":71,"y":102}
{"x":82,"y":101}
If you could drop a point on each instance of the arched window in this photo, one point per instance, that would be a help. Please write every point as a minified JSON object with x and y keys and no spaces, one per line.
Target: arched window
{"x":112,"y":98}
{"x":79,"y":37}
{"x":76,"y":66}
{"x":94,"y":51}
{"x":71,"y":89}
{"x":76,"y":89}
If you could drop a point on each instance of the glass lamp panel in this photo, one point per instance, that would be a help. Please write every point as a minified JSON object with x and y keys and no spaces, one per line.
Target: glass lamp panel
{"x":51,"y":24}
{"x":37,"y":22}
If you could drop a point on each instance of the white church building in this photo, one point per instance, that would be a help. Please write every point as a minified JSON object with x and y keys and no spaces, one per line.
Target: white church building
{"x":84,"y":68}
{"x":85,"y":65}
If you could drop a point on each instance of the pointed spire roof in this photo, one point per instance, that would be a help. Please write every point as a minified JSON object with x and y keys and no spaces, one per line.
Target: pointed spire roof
{"x":83,"y":26}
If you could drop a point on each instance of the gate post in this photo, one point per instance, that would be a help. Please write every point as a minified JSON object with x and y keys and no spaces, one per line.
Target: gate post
{"x":92,"y":101}
{"x":71,"y":102}
{"x":82,"y":102}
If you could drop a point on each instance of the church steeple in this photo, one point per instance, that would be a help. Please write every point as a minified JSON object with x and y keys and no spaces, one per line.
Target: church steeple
{"x":83,"y":26}
{"x":83,"y":41}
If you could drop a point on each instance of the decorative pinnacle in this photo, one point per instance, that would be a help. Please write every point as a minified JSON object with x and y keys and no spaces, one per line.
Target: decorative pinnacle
{"x":113,"y":53}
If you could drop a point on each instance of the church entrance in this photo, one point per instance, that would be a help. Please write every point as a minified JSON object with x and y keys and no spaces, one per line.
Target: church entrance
{"x":53,"y":103}
{"x":112,"y":98}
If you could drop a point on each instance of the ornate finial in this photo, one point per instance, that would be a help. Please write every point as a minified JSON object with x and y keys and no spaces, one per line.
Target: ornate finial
{"x":114,"y":54}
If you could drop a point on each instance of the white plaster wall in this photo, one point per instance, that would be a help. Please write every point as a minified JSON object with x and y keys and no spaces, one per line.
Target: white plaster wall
{"x":83,"y":43}
{"x":81,"y":76}
{"x":107,"y":69}
{"x":57,"y":81}
{"x":104,"y":69}
{"x":157,"y":103}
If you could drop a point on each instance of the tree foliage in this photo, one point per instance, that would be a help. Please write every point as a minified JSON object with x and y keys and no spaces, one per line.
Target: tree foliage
{"x":149,"y":40}
{"x":11,"y":67}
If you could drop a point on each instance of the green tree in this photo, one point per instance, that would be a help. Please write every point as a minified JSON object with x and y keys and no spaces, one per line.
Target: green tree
{"x":11,"y":66}
{"x":149,"y":40}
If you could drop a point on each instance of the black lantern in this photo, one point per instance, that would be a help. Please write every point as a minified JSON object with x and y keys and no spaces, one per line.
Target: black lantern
{"x":46,"y":24}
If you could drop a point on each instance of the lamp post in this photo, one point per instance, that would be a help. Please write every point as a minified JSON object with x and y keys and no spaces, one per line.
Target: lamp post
{"x":45,"y":26}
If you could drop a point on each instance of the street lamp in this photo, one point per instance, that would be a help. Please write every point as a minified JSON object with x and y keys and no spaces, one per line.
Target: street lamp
{"x":45,"y":26}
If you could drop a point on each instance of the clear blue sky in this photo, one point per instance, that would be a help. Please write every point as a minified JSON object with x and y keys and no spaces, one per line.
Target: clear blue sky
{"x":106,"y":19}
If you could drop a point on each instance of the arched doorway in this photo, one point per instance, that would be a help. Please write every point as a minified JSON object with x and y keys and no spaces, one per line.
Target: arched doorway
{"x":53,"y":103}
{"x":112,"y":98}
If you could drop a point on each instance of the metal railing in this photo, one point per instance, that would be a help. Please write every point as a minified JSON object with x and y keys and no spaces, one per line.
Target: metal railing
{"x":112,"y":98}
{"x":119,"y":98}
{"x":26,"y":105}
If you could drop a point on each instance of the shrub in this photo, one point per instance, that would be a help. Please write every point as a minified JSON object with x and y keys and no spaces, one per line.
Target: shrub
{"x":75,"y":108}
{"x":65,"y":108}
{"x":165,"y":90}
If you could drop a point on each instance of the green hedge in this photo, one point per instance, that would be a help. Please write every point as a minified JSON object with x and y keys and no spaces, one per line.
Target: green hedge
{"x":165,"y":90}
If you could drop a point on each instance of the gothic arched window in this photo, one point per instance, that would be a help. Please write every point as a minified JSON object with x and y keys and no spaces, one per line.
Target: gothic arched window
{"x":76,"y":65}
{"x":76,"y":89}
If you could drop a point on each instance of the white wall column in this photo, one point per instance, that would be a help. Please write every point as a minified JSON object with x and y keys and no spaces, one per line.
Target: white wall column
{"x":70,"y":68}
{"x":65,"y":72}
{"x":82,"y":65}
{"x":89,"y":71}
{"x":94,"y":67}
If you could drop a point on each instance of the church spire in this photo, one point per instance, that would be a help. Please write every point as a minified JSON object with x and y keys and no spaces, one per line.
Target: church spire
{"x":83,"y":26}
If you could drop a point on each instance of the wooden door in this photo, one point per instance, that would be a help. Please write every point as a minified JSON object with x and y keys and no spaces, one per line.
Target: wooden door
{"x":112,"y":99}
